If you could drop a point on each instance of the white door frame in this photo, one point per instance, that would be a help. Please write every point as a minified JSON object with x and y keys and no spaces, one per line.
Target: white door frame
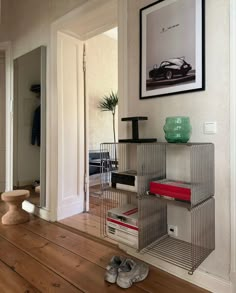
{"x":6,"y":47}
{"x":233,"y":140}
{"x":53,"y":158}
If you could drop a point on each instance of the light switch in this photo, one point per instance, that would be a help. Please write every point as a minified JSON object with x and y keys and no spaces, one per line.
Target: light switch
{"x":210,"y":127}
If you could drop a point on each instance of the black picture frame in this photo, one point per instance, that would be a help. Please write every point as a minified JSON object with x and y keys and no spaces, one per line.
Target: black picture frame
{"x":172,"y":48}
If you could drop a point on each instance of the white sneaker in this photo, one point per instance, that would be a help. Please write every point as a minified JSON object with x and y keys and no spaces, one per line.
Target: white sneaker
{"x":115,"y":263}
{"x":137,"y":271}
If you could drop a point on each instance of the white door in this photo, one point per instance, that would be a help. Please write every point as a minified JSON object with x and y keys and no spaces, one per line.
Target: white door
{"x":2,"y":123}
{"x":71,"y":127}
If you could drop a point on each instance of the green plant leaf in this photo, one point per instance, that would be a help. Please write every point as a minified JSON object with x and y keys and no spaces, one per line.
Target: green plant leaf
{"x":109,"y":102}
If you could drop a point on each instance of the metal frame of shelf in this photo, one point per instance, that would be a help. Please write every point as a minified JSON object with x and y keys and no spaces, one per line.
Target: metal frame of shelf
{"x":150,"y":162}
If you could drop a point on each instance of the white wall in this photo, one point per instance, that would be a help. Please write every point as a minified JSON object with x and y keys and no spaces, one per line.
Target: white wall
{"x":26,"y":164}
{"x":2,"y":122}
{"x":209,"y":105}
{"x":102,"y":78}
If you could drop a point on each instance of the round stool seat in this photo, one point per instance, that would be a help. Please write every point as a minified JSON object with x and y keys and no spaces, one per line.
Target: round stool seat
{"x":15,"y":214}
{"x":15,"y":195}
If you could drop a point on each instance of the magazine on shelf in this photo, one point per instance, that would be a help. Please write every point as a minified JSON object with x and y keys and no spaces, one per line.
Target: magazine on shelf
{"x":170,"y":188}
{"x":125,"y":180}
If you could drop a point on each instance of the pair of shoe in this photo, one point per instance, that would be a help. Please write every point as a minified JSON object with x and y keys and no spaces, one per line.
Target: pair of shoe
{"x":125,"y":271}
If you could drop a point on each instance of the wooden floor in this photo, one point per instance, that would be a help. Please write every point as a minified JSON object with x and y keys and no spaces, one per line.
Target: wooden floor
{"x":84,"y":222}
{"x":39,"y":256}
{"x":87,"y":222}
{"x":90,"y":222}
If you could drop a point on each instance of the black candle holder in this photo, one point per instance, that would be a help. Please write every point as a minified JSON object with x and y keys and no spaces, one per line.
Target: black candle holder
{"x":135,"y":132}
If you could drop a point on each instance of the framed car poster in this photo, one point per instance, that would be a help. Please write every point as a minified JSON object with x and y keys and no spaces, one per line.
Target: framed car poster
{"x":172,"y":48}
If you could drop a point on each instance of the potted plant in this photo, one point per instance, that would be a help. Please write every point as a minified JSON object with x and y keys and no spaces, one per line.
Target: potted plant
{"x":109,"y":103}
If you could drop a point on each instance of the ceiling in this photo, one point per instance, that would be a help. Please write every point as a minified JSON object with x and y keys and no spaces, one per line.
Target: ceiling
{"x":92,"y":19}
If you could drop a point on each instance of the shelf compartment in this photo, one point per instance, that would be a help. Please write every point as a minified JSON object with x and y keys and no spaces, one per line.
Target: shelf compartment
{"x":191,"y":167}
{"x":146,"y":160}
{"x":188,"y":255}
{"x":113,"y":198}
{"x":178,"y":252}
{"x":191,"y":162}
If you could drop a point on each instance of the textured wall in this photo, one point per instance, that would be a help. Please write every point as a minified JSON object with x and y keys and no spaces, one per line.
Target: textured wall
{"x":209,"y":105}
{"x":102,"y":78}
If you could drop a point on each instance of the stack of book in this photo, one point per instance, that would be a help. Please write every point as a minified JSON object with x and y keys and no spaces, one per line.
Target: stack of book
{"x":122,"y":224}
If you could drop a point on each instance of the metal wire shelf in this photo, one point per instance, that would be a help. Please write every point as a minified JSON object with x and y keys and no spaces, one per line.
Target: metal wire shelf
{"x":153,"y":161}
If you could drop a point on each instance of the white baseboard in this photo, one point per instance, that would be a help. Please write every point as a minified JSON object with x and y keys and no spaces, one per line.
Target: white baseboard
{"x":202,"y":279}
{"x":40,"y":212}
{"x":69,"y":210}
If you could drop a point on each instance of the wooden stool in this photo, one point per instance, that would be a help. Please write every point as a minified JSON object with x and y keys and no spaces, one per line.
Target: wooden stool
{"x":15,"y":214}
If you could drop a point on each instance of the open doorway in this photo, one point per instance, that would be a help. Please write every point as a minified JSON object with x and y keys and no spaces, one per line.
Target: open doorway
{"x":102,"y":84}
{"x":101,"y":80}
{"x":70,"y":51}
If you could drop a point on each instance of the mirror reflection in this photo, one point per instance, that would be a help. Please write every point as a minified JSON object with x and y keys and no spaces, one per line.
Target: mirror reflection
{"x":29,"y":124}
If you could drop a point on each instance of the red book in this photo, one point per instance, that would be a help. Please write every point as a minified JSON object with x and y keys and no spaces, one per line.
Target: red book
{"x":174,"y":189}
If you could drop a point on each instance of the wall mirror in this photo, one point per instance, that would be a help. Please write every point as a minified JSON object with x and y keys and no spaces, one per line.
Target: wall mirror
{"x":29,"y":125}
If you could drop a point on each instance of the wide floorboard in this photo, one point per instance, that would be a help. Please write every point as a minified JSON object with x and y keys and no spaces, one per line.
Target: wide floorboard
{"x":39,"y":256}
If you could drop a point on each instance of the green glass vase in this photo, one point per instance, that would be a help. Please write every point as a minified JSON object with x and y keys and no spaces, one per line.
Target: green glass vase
{"x":177,"y":129}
